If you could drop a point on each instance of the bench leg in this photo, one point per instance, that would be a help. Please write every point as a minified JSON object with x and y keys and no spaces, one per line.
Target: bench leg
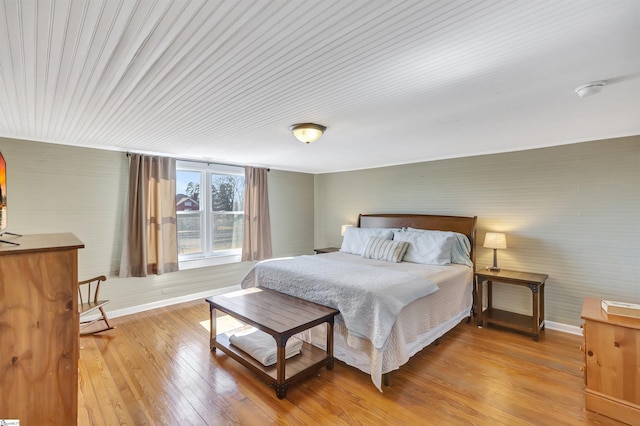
{"x":281,"y":390}
{"x":212,"y":328}
{"x":330,"y":344}
{"x":281,"y":384}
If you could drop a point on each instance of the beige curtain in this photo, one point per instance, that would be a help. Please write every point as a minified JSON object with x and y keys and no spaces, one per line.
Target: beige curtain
{"x":257,"y":226}
{"x":150,"y":241}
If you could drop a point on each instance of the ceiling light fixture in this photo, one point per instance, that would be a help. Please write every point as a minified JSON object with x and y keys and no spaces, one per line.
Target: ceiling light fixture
{"x":307,"y":132}
{"x":590,"y":89}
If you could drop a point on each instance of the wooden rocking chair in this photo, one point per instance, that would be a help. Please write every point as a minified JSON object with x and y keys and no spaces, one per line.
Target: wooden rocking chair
{"x":89,"y":305}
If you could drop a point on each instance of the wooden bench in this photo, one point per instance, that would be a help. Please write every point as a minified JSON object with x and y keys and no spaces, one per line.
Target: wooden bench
{"x":281,"y":316}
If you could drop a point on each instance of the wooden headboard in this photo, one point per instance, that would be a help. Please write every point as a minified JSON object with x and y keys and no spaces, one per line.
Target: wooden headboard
{"x":462,"y":224}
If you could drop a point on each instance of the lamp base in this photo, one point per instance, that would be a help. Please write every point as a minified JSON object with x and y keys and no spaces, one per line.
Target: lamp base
{"x":495,"y":268}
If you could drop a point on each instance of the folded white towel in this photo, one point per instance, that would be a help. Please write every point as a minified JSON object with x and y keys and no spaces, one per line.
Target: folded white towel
{"x":262,"y":346}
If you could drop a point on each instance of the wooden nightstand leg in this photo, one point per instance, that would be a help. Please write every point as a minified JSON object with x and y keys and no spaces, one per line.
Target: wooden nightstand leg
{"x":489,"y":294}
{"x":542,"y":324}
{"x":474,"y":297}
{"x":479,"y":294}
{"x":536,"y":312}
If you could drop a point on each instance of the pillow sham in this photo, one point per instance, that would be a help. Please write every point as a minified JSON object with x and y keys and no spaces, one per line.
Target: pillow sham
{"x":461,"y":251}
{"x":355,"y":239}
{"x":382,"y":249}
{"x":431,"y":248}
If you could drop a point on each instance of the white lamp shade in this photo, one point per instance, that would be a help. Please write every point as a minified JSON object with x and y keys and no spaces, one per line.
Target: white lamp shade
{"x":495,"y":240}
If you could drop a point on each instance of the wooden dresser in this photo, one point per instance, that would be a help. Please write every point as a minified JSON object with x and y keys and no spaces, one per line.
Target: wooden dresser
{"x":39,"y":329}
{"x":612,"y":363}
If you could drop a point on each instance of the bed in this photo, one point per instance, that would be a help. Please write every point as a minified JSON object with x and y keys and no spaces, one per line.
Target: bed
{"x":419,"y":301}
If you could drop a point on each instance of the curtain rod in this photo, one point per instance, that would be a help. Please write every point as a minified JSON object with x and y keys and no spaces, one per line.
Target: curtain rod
{"x":198,"y":161}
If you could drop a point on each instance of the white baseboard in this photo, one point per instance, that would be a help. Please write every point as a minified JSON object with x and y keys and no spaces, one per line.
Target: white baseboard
{"x":167,"y":302}
{"x":565,"y":328}
{"x":551,"y":325}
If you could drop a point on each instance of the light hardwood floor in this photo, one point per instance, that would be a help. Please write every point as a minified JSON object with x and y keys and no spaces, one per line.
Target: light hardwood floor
{"x":155,"y":368}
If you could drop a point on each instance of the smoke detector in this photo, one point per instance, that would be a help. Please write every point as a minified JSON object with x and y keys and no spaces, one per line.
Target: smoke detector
{"x":590,"y":89}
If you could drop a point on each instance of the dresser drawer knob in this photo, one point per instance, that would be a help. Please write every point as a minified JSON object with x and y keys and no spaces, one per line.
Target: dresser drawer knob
{"x":590,"y":353}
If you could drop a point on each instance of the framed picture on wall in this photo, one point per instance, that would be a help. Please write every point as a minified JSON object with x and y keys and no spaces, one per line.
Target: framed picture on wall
{"x":3,"y":194}
{"x":3,"y":202}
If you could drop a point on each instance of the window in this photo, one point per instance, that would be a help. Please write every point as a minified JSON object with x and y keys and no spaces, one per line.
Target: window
{"x":211,"y":221}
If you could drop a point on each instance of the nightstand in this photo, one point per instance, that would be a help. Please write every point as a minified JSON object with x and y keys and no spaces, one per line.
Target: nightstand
{"x":529,"y":323}
{"x":326,"y":250}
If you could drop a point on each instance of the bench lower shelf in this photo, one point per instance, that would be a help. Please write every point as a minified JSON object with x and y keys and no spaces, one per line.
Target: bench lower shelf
{"x":309,"y":360}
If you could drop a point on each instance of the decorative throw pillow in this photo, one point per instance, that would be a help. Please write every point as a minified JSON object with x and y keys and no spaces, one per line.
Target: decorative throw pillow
{"x":431,"y":248}
{"x":355,"y":239}
{"x":381,"y":249}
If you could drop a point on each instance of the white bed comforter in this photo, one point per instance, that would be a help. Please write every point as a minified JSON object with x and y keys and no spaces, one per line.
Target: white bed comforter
{"x":369,"y":297}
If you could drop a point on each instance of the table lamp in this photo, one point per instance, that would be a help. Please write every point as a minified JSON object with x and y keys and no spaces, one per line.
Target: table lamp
{"x":495,"y":241}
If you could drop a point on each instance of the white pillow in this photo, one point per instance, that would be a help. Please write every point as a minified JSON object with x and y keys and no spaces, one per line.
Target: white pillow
{"x":382,"y":249}
{"x":461,"y":251}
{"x":355,"y":239}
{"x":431,"y":248}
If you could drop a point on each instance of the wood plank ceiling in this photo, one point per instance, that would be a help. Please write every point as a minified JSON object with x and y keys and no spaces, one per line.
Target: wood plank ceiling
{"x":394,"y":81}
